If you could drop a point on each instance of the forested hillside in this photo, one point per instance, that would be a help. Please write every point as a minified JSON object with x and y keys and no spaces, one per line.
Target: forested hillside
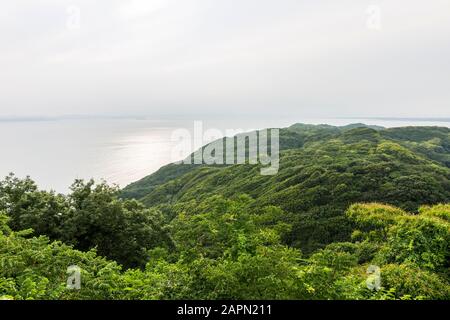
{"x":354,"y":212}
{"x":323,"y":169}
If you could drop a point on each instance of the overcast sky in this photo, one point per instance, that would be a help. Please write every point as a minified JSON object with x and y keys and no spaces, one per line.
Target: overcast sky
{"x":320,"y":58}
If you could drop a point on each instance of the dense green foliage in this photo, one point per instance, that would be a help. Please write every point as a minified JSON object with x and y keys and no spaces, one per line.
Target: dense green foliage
{"x":224,"y":251}
{"x":90,"y":216}
{"x":345,"y":201}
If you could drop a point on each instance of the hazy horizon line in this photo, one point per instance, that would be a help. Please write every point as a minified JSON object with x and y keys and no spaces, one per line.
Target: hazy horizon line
{"x":33,"y":118}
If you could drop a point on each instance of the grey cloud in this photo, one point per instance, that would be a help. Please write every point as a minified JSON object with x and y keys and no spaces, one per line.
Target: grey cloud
{"x":315,"y":58}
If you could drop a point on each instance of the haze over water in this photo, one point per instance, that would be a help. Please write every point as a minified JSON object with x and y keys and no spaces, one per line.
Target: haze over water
{"x":55,"y":153}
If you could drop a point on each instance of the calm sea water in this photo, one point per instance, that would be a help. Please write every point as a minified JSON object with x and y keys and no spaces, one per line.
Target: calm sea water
{"x":54,"y":153}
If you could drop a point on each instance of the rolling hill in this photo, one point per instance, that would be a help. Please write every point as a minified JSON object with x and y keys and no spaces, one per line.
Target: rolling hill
{"x":323,"y":169}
